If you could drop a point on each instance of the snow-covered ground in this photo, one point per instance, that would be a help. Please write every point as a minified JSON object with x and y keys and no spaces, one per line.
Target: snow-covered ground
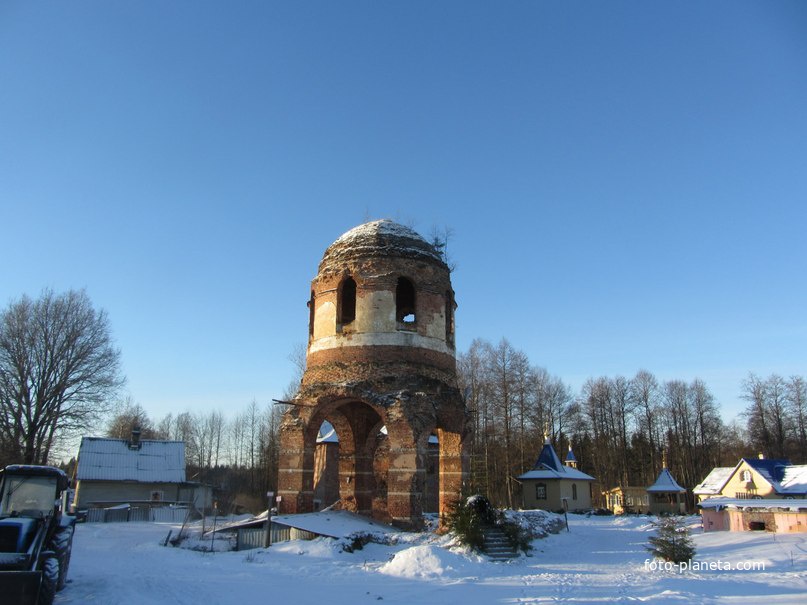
{"x":601,"y":560}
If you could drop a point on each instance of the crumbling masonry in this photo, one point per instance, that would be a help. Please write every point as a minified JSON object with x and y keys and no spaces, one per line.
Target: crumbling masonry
{"x":381,"y":369}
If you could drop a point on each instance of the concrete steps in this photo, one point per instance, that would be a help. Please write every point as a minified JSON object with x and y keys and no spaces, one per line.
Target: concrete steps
{"x":497,"y":546}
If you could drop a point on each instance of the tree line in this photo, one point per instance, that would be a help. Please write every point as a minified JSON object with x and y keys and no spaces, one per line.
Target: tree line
{"x":238,"y":456}
{"x":60,"y":376}
{"x":622,"y":430}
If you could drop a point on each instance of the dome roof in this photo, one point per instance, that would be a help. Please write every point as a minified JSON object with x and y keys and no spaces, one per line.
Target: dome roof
{"x":381,"y":238}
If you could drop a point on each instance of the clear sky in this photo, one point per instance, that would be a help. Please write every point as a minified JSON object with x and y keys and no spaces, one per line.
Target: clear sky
{"x":626,"y":181}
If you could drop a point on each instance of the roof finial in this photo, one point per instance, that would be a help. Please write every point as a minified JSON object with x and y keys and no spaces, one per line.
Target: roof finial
{"x":570,"y":457}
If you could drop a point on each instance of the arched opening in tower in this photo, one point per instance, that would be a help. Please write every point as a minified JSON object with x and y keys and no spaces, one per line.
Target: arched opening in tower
{"x":326,"y":467}
{"x":347,"y":302}
{"x":431,"y":488}
{"x":349,"y":464}
{"x":405,"y":301}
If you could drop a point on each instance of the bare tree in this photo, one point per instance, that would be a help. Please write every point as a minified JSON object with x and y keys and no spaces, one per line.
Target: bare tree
{"x":504,"y":364}
{"x":797,"y":402}
{"x":756,"y":412}
{"x":769,"y":421}
{"x":471,"y":374}
{"x":58,"y":372}
{"x":128,"y":416}
{"x":298,"y":358}
{"x":644,"y":393}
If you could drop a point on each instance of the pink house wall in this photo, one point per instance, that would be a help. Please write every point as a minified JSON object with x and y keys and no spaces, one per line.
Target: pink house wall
{"x":780,"y":522}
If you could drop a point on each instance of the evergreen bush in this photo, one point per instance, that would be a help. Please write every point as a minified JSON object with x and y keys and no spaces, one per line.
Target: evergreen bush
{"x":469,"y":517}
{"x":672,"y":541}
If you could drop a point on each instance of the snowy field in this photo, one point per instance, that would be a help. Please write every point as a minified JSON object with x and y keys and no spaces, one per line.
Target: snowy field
{"x":602,"y":560}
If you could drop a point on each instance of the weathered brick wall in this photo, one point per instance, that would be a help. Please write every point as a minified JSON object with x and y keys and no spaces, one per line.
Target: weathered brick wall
{"x":375,"y":371}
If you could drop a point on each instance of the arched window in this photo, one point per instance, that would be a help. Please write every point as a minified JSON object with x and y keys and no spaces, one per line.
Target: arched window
{"x":405,"y":301}
{"x":347,"y":301}
{"x":746,"y":476}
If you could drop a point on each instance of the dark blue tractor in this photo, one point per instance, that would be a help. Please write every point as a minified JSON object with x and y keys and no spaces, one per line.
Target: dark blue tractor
{"x":36,"y":535}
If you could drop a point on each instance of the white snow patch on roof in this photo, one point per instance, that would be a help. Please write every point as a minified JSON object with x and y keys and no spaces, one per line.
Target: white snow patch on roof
{"x":665,"y":483}
{"x":794,"y":480}
{"x":714,"y":481}
{"x":760,"y":504}
{"x":568,"y":473}
{"x":334,"y":524}
{"x":101,"y":459}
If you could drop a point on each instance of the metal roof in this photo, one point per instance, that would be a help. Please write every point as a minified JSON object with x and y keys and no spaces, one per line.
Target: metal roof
{"x":665,"y":483}
{"x":783,"y":477}
{"x":566,"y":472}
{"x":101,"y":459}
{"x":794,"y":480}
{"x":548,"y":466}
{"x":715,"y":480}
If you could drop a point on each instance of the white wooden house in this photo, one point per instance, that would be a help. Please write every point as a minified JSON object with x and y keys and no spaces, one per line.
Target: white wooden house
{"x":112,"y":472}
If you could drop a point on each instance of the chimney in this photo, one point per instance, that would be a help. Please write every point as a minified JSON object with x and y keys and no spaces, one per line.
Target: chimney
{"x":134,"y":444}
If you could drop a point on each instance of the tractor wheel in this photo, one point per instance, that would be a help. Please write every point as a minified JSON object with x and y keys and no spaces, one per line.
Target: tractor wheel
{"x":62,"y":545}
{"x":50,"y":577}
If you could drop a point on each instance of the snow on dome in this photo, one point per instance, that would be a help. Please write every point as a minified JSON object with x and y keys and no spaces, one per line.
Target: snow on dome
{"x":381,"y":238}
{"x":381,"y":227}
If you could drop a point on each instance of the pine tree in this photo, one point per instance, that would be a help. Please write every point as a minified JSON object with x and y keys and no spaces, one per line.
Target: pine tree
{"x":672,"y":541}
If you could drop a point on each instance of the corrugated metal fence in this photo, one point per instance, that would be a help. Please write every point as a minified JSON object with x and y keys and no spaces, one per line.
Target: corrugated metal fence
{"x":254,"y":537}
{"x":136,"y":513}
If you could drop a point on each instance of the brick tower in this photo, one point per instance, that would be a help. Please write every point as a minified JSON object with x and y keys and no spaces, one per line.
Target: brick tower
{"x":381,"y":369}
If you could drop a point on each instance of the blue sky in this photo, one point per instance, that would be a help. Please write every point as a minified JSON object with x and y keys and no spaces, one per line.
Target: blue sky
{"x":625,"y":181}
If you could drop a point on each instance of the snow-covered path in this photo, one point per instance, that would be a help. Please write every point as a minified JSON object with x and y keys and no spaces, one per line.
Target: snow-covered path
{"x":602,"y":560}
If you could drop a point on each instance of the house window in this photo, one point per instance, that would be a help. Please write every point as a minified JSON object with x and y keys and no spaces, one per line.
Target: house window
{"x":405,"y":301}
{"x":746,"y":476}
{"x":574,"y":491}
{"x":347,"y":301}
{"x":156,"y":496}
{"x":540,"y":491}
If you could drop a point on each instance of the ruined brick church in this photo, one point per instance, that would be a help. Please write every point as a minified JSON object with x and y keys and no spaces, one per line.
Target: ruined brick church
{"x":381,"y":370}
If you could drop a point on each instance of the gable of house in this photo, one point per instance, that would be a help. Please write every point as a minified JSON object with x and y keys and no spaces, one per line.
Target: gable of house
{"x":754,"y":478}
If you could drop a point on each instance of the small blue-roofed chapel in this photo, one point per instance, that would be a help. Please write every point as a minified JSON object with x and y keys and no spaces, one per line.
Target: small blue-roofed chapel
{"x":555,"y":486}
